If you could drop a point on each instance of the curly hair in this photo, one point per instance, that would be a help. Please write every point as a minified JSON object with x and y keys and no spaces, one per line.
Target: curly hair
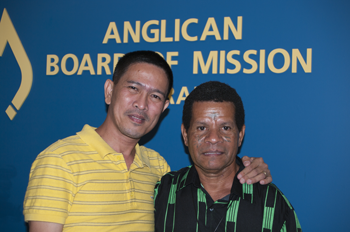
{"x":148,"y":57}
{"x":217,"y":92}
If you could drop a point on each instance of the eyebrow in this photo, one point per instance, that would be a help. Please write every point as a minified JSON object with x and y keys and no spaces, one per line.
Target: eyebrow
{"x":152,"y":89}
{"x":202,"y":122}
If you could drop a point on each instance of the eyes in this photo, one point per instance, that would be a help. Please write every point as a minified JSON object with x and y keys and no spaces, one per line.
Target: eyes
{"x":132,"y":88}
{"x":224,"y":128}
{"x":154,"y":96}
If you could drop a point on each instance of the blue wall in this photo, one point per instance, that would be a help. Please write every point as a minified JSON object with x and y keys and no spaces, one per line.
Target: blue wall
{"x":296,"y":96}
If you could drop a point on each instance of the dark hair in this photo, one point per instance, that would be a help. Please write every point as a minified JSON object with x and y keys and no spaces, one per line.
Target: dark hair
{"x":213,"y":91}
{"x":149,"y":57}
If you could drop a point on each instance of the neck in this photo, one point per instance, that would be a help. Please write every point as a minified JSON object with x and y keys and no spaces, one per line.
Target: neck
{"x":119,"y":142}
{"x":218,"y":184}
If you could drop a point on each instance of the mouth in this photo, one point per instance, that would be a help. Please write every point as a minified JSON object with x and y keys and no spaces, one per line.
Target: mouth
{"x":136,"y":118}
{"x":213,"y":153}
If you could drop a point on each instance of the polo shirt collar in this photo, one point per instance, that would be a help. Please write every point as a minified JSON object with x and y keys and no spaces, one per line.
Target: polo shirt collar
{"x":140,"y":157}
{"x":193,"y":177}
{"x":91,"y":137}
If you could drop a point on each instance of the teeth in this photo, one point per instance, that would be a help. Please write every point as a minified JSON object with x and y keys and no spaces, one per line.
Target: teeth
{"x":212,"y":153}
{"x":136,"y":117}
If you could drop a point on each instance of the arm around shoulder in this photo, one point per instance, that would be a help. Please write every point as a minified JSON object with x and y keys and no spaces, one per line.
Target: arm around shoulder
{"x":256,"y":170}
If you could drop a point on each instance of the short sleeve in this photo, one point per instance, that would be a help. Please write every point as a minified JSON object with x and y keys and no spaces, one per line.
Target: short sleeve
{"x":50,"y":190}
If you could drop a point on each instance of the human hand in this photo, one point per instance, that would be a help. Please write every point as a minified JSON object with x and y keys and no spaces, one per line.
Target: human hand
{"x":255,"y":170}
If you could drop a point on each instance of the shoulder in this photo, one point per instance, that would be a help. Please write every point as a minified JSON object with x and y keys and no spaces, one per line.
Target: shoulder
{"x":63,"y":145}
{"x":175,"y":177}
{"x":61,"y":150}
{"x":262,"y":190}
{"x":280,"y":196}
{"x":272,"y":195}
{"x":169,"y":183}
{"x":154,"y":160}
{"x":270,"y":189}
{"x":150,"y":152}
{"x":154,"y":157}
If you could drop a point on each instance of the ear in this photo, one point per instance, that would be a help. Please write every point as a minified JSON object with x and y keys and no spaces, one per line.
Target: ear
{"x":166,"y":104}
{"x":184,"y":134}
{"x":109,"y":85}
{"x":241,"y":135}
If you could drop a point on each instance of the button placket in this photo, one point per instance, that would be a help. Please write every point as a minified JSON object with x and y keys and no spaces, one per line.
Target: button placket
{"x":131,"y":187}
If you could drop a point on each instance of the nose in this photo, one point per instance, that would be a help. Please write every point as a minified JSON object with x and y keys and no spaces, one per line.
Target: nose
{"x":141,"y":102}
{"x":213,"y":136}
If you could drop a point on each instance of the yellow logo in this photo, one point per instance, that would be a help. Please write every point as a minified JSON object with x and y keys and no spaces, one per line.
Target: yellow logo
{"x":8,"y":34}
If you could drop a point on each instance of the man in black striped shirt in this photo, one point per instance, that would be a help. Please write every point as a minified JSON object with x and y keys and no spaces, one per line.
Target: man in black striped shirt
{"x":208,"y":196}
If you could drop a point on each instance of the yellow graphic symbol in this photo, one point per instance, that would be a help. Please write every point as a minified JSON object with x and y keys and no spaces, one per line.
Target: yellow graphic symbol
{"x":9,"y":34}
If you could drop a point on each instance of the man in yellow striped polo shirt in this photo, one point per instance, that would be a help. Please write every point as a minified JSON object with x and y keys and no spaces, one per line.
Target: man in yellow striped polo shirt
{"x":100,"y":179}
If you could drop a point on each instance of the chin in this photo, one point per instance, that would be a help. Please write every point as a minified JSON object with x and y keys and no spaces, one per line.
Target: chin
{"x":134,"y":134}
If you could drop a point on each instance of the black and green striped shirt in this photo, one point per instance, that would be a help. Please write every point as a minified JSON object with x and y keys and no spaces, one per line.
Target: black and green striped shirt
{"x":182,"y":204}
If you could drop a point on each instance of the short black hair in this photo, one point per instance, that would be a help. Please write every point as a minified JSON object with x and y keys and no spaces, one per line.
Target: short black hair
{"x":213,"y":91}
{"x":149,"y":57}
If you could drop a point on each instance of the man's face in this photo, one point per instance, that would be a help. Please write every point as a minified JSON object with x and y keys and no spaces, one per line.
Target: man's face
{"x":137,"y":100}
{"x":213,"y":137}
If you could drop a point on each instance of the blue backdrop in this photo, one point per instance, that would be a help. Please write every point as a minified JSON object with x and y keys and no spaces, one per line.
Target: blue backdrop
{"x":288,"y":61}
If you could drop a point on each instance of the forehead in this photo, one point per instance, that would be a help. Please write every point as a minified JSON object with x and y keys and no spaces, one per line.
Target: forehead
{"x":210,"y":109}
{"x":145,"y":71}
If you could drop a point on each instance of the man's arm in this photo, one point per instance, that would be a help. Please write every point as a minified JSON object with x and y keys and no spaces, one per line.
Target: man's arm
{"x":285,"y":217}
{"x":255,"y":170}
{"x":36,"y":226}
{"x":50,"y":190}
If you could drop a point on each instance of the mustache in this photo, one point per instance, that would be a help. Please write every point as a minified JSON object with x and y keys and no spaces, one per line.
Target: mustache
{"x":212,"y":147}
{"x":207,"y":147}
{"x":139,"y":112}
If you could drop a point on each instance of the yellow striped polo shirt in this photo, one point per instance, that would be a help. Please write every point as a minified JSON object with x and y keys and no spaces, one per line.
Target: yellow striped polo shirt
{"x":83,"y":183}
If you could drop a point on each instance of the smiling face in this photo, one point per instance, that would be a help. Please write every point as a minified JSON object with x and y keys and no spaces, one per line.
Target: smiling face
{"x":213,"y":138}
{"x":137,"y":100}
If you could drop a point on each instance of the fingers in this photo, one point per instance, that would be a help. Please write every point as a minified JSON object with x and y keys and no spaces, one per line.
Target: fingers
{"x":246,"y":160}
{"x":255,"y":176}
{"x":267,"y":180}
{"x":256,"y":170}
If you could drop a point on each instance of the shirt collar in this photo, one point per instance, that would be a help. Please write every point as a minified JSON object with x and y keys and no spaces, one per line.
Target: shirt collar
{"x":192,"y":177}
{"x":140,"y":156}
{"x":236,"y":189}
{"x":236,"y":185}
{"x":93,"y":139}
